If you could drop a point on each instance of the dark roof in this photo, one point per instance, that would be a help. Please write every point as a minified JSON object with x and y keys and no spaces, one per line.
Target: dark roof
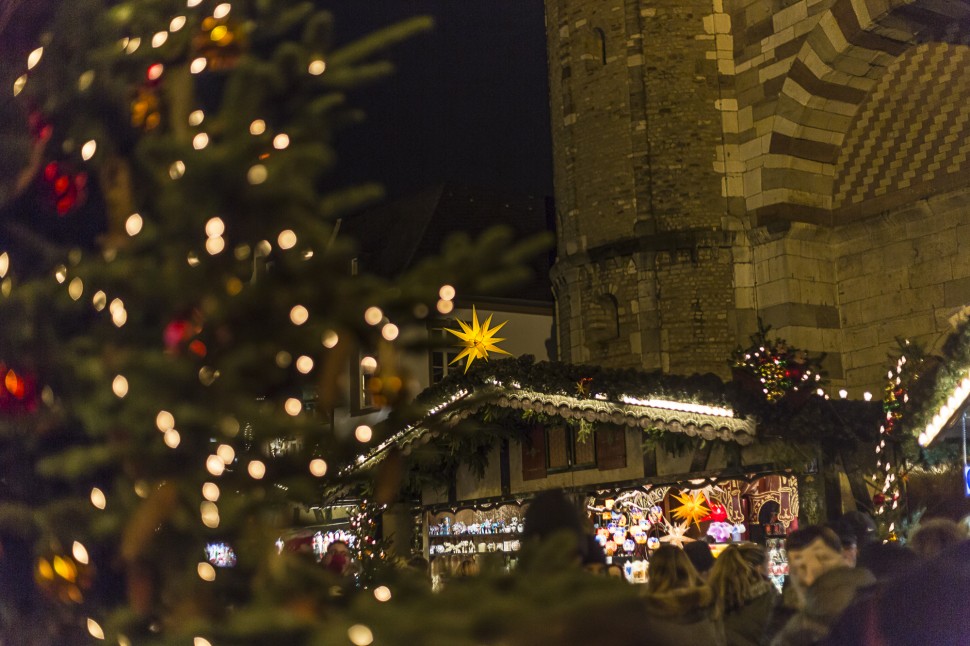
{"x":395,"y":236}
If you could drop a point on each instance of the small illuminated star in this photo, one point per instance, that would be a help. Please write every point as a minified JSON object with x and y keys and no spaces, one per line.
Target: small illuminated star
{"x":676,"y":535}
{"x":477,"y":340}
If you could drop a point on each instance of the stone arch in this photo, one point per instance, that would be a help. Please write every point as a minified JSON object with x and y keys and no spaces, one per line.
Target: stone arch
{"x":603,"y":318}
{"x":839,"y":65}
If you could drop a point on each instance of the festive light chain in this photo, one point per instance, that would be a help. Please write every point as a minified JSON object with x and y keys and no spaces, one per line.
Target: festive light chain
{"x":943,"y":415}
{"x":717,"y":411}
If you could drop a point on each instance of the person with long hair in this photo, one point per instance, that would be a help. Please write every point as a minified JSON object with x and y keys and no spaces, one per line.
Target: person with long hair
{"x":680,"y":605}
{"x":744,"y":598}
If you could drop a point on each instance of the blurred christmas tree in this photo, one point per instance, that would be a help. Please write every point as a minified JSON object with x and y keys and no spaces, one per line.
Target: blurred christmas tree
{"x":206,"y":302}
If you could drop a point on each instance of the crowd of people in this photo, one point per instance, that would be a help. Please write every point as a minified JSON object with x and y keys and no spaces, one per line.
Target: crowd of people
{"x":845,"y":586}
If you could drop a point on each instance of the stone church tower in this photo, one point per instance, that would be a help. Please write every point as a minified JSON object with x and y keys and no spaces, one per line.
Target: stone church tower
{"x":718,"y":161}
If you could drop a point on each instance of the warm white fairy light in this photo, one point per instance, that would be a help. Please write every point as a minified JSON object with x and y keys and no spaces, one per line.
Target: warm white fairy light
{"x":177,"y":169}
{"x":382,"y":593}
{"x":445,"y":307}
{"x":263,"y":248}
{"x":389,"y":332}
{"x":119,"y":386}
{"x":193,"y":3}
{"x":867,"y":396}
{"x":330,"y":339}
{"x":98,"y":498}
{"x":215,"y":465}
{"x":176,"y":23}
{"x":281,"y":141}
{"x":293,"y":406}
{"x":210,"y":514}
{"x":446,"y":293}
{"x":164,"y":421}
{"x":99,"y":300}
{"x":318,"y":467}
{"x":159,"y":38}
{"x":132,"y":46}
{"x":221,"y":11}
{"x":686,"y":407}
{"x":75,"y":289}
{"x":257,"y":174}
{"x":197,"y":65}
{"x":210,"y":491}
{"x":18,"y":84}
{"x":368,"y":365}
{"x":206,"y":571}
{"x":256,"y":470}
{"x":257,"y":127}
{"x":200,"y":141}
{"x":155,"y":72}
{"x":119,"y":317}
{"x":304,"y":364}
{"x":192,"y":259}
{"x":88,"y":149}
{"x":299,"y":315}
{"x":196,"y":117}
{"x":85,"y":80}
{"x":843,"y":393}
{"x":286,"y":239}
{"x":172,"y":438}
{"x":134,"y":224}
{"x":95,"y":629}
{"x":373,"y":315}
{"x":60,"y":274}
{"x":226,"y":453}
{"x":364,"y":433}
{"x":201,"y":641}
{"x":4,"y":264}
{"x":215,"y":246}
{"x":317,"y":66}
{"x":360,"y":635}
{"x":80,"y":553}
{"x":34,"y":57}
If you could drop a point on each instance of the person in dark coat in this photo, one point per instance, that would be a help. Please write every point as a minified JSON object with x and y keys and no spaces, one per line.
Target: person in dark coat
{"x":825,"y":583}
{"x":680,"y":606}
{"x":744,"y":597}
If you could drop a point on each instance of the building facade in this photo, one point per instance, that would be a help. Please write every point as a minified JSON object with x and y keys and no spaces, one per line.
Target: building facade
{"x":723,"y":161}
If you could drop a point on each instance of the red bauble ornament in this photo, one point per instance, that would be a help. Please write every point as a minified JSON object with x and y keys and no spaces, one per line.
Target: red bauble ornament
{"x":18,"y":391}
{"x":878,"y":499}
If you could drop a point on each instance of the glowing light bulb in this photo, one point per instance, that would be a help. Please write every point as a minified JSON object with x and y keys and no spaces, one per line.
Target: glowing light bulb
{"x":843,"y":393}
{"x":373,"y":315}
{"x":257,"y":174}
{"x":177,"y":23}
{"x":257,"y":127}
{"x":221,"y":11}
{"x":299,"y":315}
{"x":281,"y":141}
{"x":215,"y":465}
{"x":193,"y":3}
{"x":133,"y":224}
{"x":172,"y":438}
{"x":201,"y":641}
{"x":317,"y":67}
{"x":34,"y":57}
{"x":360,"y":635}
{"x":88,"y":149}
{"x":293,"y":406}
{"x":119,"y":386}
{"x":177,"y":169}
{"x":364,"y":433}
{"x":18,"y":85}
{"x":200,"y":141}
{"x":304,"y":364}
{"x":98,"y":499}
{"x":4,"y":264}
{"x":382,"y":593}
{"x":330,"y":339}
{"x":445,"y":307}
{"x":286,"y":239}
{"x":164,"y":421}
{"x":206,"y":571}
{"x":196,"y":117}
{"x":210,"y":514}
{"x":210,"y":491}
{"x":215,"y":245}
{"x":75,"y":289}
{"x":390,"y":332}
{"x":159,"y":38}
{"x":368,"y":365}
{"x":133,"y":45}
{"x":99,"y":300}
{"x":197,"y":66}
{"x":256,"y":470}
{"x":94,"y":629}
{"x":318,"y":467}
{"x":80,"y":553}
{"x":226,"y":453}
{"x":215,"y":227}
{"x":446,"y":293}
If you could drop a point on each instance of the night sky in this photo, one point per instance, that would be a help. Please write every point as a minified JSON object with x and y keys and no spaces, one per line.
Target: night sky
{"x":468,"y":103}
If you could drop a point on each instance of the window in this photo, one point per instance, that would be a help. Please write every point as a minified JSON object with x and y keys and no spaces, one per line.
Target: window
{"x":565,"y":450}
{"x":443,"y":352}
{"x":363,"y":398}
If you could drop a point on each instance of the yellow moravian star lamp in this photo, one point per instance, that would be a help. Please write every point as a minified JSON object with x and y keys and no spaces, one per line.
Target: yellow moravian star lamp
{"x":477,"y":340}
{"x":693,"y":507}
